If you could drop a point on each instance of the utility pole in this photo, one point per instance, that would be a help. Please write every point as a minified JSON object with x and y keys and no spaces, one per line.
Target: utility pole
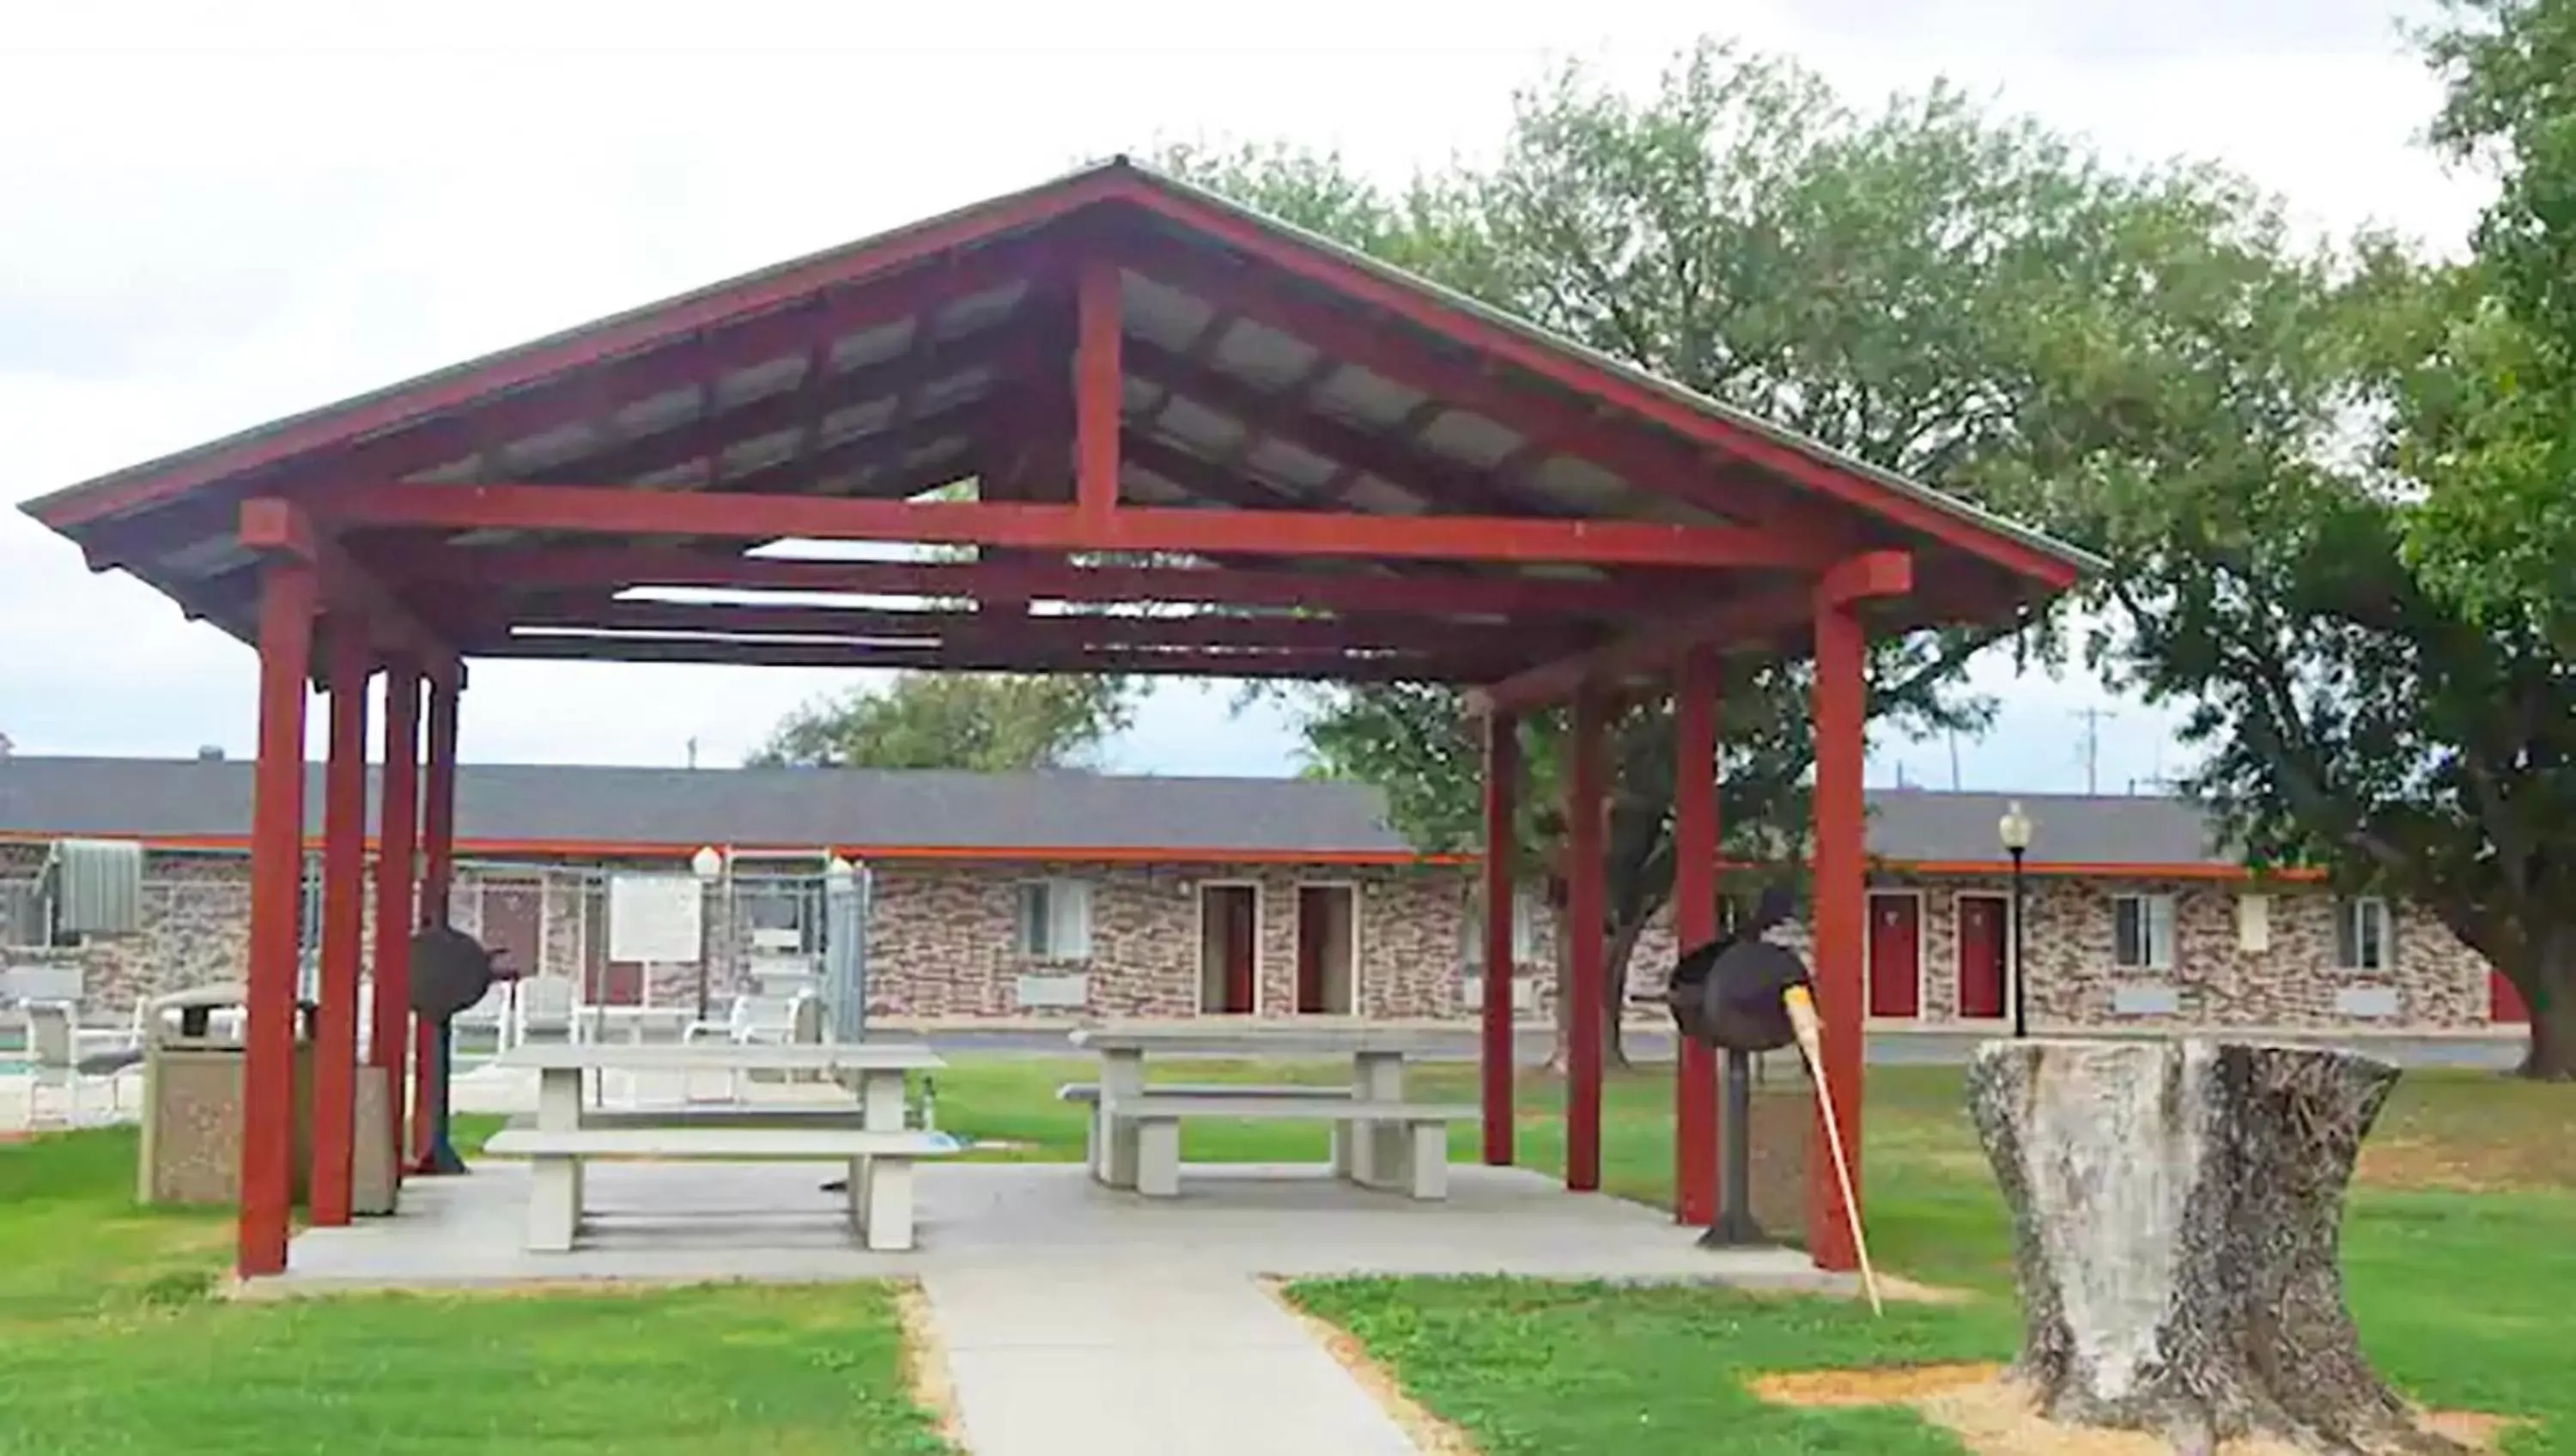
{"x":2092,"y":741}
{"x":1954,"y":760}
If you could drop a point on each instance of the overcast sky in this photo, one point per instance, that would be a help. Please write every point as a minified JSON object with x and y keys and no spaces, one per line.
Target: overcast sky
{"x":214,"y":215}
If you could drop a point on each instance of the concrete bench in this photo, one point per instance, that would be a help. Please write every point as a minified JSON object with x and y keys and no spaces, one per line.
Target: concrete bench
{"x":711,"y":1115}
{"x":1095,"y":1134}
{"x":1421,"y":1130}
{"x":880,"y":1165}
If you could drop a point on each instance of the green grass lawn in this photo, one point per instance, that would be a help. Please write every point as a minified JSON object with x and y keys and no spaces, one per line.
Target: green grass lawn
{"x":109,"y":1343}
{"x":2458,"y":1252}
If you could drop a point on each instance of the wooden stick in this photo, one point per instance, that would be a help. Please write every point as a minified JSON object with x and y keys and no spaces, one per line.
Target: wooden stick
{"x":1802,"y":1017}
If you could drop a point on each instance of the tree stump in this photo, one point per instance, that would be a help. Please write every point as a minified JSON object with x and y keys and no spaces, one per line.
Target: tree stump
{"x":2176,"y":1210}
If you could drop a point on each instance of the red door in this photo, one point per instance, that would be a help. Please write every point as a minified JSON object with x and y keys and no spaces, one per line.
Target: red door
{"x":606,"y":982}
{"x":1314,"y":930}
{"x":1983,"y":936}
{"x":2504,"y":1004}
{"x":1231,"y":922}
{"x":1895,"y":955}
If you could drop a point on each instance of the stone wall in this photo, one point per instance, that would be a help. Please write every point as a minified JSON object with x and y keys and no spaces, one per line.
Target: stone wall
{"x":942,"y":940}
{"x":2432,"y":982}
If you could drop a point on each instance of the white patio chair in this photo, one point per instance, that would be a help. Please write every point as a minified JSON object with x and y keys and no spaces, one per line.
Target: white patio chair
{"x":488,"y":1014}
{"x":762,"y":1021}
{"x":541,"y":1009}
{"x":67,"y":1054}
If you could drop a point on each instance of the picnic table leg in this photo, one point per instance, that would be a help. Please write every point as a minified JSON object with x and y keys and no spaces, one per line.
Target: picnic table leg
{"x":1379,"y":1151}
{"x":886,"y":1219}
{"x":1122,"y":1076}
{"x":554,"y":1201}
{"x":881,"y":1109}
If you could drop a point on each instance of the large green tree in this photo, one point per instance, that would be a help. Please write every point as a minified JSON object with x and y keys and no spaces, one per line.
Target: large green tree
{"x":2309,"y":448}
{"x":984,"y":722}
{"x":2491,"y":435}
{"x":1882,"y":282}
{"x":2266,"y":435}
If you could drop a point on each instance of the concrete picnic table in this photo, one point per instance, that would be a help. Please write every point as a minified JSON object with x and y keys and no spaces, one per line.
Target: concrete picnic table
{"x":878,"y":1068}
{"x":1377,"y":1053}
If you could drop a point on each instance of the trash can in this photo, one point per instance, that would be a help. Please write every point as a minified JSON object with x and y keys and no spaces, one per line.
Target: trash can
{"x":192,"y":1091}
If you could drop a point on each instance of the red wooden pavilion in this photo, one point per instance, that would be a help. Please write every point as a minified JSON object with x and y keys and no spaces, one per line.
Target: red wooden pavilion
{"x":1202,"y":442}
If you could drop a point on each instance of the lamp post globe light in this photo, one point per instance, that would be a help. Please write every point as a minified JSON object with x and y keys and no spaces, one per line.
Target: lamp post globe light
{"x":2015,"y":830}
{"x":708,"y":864}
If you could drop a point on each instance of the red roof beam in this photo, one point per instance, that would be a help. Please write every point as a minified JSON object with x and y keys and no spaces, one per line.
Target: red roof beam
{"x":1560,"y":425}
{"x":417,"y":443}
{"x":1061,"y":528}
{"x":1549,"y":363}
{"x":272,"y":527}
{"x":1097,"y":388}
{"x":576,"y":568}
{"x":1186,"y":662}
{"x":1200,"y":629}
{"x":1442,"y":485}
{"x":1730,"y":624}
{"x":792,"y":410}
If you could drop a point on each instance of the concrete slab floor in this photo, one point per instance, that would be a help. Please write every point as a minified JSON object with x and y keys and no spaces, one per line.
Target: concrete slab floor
{"x":1073,"y":1318}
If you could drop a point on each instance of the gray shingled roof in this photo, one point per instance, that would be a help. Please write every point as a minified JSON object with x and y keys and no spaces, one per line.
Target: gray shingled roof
{"x":535,"y":803}
{"x":2067,"y":829}
{"x":532,"y":803}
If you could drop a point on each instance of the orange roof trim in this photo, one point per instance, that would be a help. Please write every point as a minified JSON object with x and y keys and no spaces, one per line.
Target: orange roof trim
{"x":611,"y":849}
{"x":958,"y":854}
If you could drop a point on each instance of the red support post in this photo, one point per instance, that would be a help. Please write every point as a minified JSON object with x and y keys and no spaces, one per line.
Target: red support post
{"x":1839,"y":900}
{"x":1585,"y":799}
{"x":1502,"y":789}
{"x":287,"y":599}
{"x":397,"y":855}
{"x":1098,"y":390}
{"x":347,"y":666}
{"x":437,"y":875}
{"x":1695,"y":838}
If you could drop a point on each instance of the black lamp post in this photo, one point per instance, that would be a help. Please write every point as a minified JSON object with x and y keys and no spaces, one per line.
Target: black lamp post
{"x":2014,"y":829}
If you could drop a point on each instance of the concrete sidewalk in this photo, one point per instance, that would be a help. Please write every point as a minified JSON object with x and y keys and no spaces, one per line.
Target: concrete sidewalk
{"x":1125,"y":1359}
{"x":1072,"y":1318}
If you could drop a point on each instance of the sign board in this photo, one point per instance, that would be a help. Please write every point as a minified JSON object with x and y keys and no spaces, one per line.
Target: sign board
{"x":657,"y":918}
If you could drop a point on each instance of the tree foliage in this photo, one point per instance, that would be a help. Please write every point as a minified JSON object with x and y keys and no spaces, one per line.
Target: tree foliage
{"x":1880,"y":282}
{"x":2491,"y":434}
{"x":983,"y":722}
{"x":2295,"y":453}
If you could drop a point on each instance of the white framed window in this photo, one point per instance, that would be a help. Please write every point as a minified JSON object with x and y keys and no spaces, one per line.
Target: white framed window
{"x":1529,"y":913}
{"x":1055,"y":920}
{"x":2142,"y":932}
{"x":2362,"y":939}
